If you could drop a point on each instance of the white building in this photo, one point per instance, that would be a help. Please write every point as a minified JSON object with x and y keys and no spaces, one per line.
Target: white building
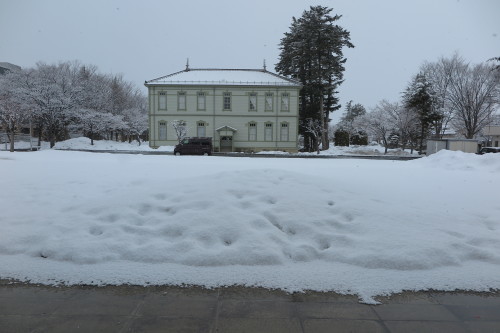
{"x":492,"y":133}
{"x":243,"y":110}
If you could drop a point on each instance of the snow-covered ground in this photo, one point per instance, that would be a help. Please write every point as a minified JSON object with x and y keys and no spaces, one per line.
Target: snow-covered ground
{"x":366,"y":227}
{"x":83,"y":143}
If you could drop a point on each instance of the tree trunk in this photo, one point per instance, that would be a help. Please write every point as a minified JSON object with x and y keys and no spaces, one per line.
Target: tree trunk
{"x":421,"y":145}
{"x":324,"y":125}
{"x":11,"y":139}
{"x":39,"y":137}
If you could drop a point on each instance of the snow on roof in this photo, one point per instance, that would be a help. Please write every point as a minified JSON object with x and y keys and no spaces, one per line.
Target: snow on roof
{"x":10,"y":66}
{"x":226,"y":128}
{"x":230,"y":77}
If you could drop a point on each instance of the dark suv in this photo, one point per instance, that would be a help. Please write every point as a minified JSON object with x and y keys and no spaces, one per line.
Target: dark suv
{"x":485,"y":150}
{"x":194,"y":146}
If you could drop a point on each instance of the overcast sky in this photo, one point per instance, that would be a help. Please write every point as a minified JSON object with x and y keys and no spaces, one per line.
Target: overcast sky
{"x":147,"y":39}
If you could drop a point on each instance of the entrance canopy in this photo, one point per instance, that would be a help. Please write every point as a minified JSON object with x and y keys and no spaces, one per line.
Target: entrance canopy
{"x":226,"y":138}
{"x":226,"y":130}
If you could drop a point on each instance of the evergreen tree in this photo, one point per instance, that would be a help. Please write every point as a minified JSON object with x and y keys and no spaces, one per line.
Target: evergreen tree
{"x":352,"y":112}
{"x":341,"y":138}
{"x":311,"y":52}
{"x":359,"y":138}
{"x":347,"y":122}
{"x":420,"y":98}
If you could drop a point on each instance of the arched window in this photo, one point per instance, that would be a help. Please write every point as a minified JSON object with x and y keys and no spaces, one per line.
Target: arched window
{"x":202,"y":101}
{"x":268,"y":132}
{"x":162,"y":100}
{"x":269,"y":101}
{"x":285,"y":102}
{"x":284,"y":132}
{"x":162,"y":130}
{"x":201,"y":129}
{"x":252,"y":131}
{"x":252,"y":102}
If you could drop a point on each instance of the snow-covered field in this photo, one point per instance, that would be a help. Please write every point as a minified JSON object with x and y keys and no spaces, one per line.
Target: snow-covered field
{"x":83,"y":143}
{"x":353,"y":226}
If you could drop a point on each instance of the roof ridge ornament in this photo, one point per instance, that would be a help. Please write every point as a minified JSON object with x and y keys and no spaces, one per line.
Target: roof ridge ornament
{"x":187,"y":64}
{"x":265,"y":69}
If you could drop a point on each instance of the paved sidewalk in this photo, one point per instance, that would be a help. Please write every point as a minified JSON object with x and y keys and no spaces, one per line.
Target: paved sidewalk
{"x":29,"y":308}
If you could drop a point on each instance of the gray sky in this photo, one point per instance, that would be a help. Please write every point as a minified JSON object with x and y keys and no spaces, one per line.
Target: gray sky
{"x":144,"y":40}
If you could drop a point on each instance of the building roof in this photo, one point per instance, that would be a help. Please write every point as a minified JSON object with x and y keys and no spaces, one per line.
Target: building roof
{"x":227,"y":77}
{"x":8,"y":66}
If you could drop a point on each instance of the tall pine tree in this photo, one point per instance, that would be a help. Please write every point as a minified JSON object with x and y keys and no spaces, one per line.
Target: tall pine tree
{"x":420,"y":98}
{"x":311,"y":52}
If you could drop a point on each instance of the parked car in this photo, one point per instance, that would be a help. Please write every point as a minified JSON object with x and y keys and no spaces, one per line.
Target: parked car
{"x":194,"y":146}
{"x":486,"y":150}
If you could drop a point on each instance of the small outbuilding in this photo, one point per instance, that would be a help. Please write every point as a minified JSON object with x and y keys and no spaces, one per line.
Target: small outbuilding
{"x":465,"y":145}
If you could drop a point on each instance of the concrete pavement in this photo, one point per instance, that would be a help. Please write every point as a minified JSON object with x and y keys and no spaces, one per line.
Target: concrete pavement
{"x":31,"y":308}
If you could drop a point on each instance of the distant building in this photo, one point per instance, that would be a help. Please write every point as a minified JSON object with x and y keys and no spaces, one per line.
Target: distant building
{"x":6,"y":67}
{"x":465,"y":145}
{"x":242,"y":110}
{"x":492,"y":133}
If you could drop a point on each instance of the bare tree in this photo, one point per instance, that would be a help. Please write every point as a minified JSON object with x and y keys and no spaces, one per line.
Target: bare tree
{"x":440,"y":75}
{"x":180,"y":129}
{"x":316,"y":129}
{"x":378,"y":123}
{"x":474,"y":96}
{"x":404,"y":122}
{"x":466,"y":95}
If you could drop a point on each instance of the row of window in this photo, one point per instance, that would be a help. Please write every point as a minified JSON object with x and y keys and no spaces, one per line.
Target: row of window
{"x":226,"y":101}
{"x":252,"y":131}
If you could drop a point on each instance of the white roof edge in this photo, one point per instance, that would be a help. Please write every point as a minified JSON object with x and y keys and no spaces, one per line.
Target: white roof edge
{"x":225,"y":126}
{"x":231,"y":83}
{"x":226,"y":77}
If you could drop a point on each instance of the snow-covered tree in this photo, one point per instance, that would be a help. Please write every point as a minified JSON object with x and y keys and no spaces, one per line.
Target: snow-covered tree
{"x":497,"y":65}
{"x":136,"y":123}
{"x":378,"y":123}
{"x":54,"y":91}
{"x":70,"y":96}
{"x":180,"y":129}
{"x":404,"y":121}
{"x":347,"y":122}
{"x":315,"y":129}
{"x":95,"y":124}
{"x":352,"y":112}
{"x":14,"y":111}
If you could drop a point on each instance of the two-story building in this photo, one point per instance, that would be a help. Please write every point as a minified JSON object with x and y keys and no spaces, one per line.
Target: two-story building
{"x":242,"y":110}
{"x":492,"y":133}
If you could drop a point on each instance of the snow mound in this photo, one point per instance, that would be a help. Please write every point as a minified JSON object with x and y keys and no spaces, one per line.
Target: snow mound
{"x":84,"y":143}
{"x":255,"y":217}
{"x":457,"y":160}
{"x":352,"y":226}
